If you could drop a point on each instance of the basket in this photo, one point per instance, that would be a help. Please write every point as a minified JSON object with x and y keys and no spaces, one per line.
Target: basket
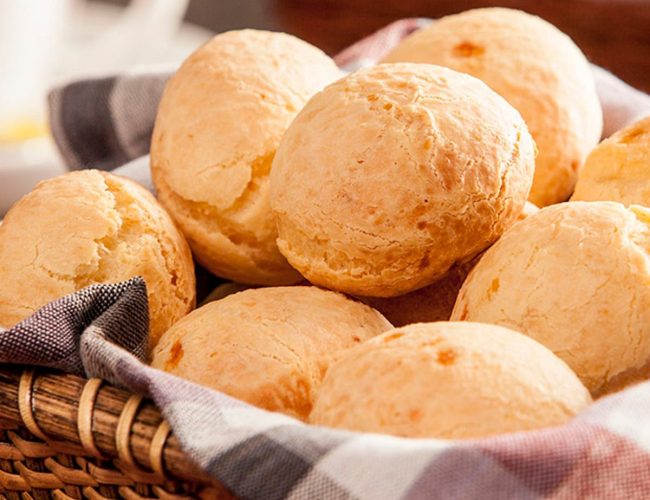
{"x":63,"y":437}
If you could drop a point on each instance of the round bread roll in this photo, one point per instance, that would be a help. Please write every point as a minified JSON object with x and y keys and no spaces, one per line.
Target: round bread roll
{"x":448,"y":380}
{"x":618,"y":169}
{"x":393,"y":174}
{"x":575,"y":277}
{"x":219,"y":123}
{"x":267,"y":346}
{"x":90,"y":227}
{"x":537,"y":68}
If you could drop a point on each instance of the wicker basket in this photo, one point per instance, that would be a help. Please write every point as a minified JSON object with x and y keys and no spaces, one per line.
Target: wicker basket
{"x":62,"y":436}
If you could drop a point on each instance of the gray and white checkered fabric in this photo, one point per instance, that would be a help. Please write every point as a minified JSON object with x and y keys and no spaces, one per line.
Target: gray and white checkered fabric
{"x":101,"y":330}
{"x":105,"y":122}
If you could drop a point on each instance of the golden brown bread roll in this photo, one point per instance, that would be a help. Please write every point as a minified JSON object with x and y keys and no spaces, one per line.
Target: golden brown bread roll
{"x":90,"y":227}
{"x":575,"y":277}
{"x":267,"y":346}
{"x":537,"y":68}
{"x":448,"y":380}
{"x":219,"y":123}
{"x":618,"y":169}
{"x":393,"y":174}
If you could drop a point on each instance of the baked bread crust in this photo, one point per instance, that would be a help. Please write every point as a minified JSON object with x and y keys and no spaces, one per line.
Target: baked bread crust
{"x":219,"y":123}
{"x":574,"y":277}
{"x":537,"y":69}
{"x":89,"y":227}
{"x":393,"y":174}
{"x":269,"y":346}
{"x":448,"y":380}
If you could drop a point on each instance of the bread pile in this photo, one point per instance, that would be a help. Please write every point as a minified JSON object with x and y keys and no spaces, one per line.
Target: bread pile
{"x":390,"y":269}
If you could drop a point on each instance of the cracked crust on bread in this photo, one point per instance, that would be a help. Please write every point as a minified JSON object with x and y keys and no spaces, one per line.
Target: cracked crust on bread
{"x":390,"y":176}
{"x":538,"y":69}
{"x":91,"y":227}
{"x":575,"y":277}
{"x":219,"y":123}
{"x":618,"y":169}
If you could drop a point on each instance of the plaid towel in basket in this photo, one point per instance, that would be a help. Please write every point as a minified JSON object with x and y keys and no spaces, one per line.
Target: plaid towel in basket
{"x":100,"y":331}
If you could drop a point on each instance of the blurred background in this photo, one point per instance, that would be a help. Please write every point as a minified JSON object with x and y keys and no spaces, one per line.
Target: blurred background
{"x":612,"y":33}
{"x":44,"y":43}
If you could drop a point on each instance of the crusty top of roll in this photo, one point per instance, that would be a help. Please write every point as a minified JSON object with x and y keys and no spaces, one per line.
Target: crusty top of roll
{"x":537,"y":69}
{"x":268,"y":346}
{"x":219,"y":123}
{"x":448,"y":380}
{"x":575,"y":277}
{"x":90,"y":227}
{"x":392,"y":174}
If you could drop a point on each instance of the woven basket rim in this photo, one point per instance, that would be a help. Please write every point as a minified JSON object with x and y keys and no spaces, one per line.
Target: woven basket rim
{"x":77,"y":417}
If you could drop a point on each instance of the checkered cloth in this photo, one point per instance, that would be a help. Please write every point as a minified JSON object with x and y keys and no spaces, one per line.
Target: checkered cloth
{"x":602,"y":453}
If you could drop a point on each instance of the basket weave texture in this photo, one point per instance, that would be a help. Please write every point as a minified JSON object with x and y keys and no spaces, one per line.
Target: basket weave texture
{"x":62,"y":436}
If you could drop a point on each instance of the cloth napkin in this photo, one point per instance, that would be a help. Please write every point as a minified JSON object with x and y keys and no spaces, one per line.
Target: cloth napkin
{"x":100,"y":331}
